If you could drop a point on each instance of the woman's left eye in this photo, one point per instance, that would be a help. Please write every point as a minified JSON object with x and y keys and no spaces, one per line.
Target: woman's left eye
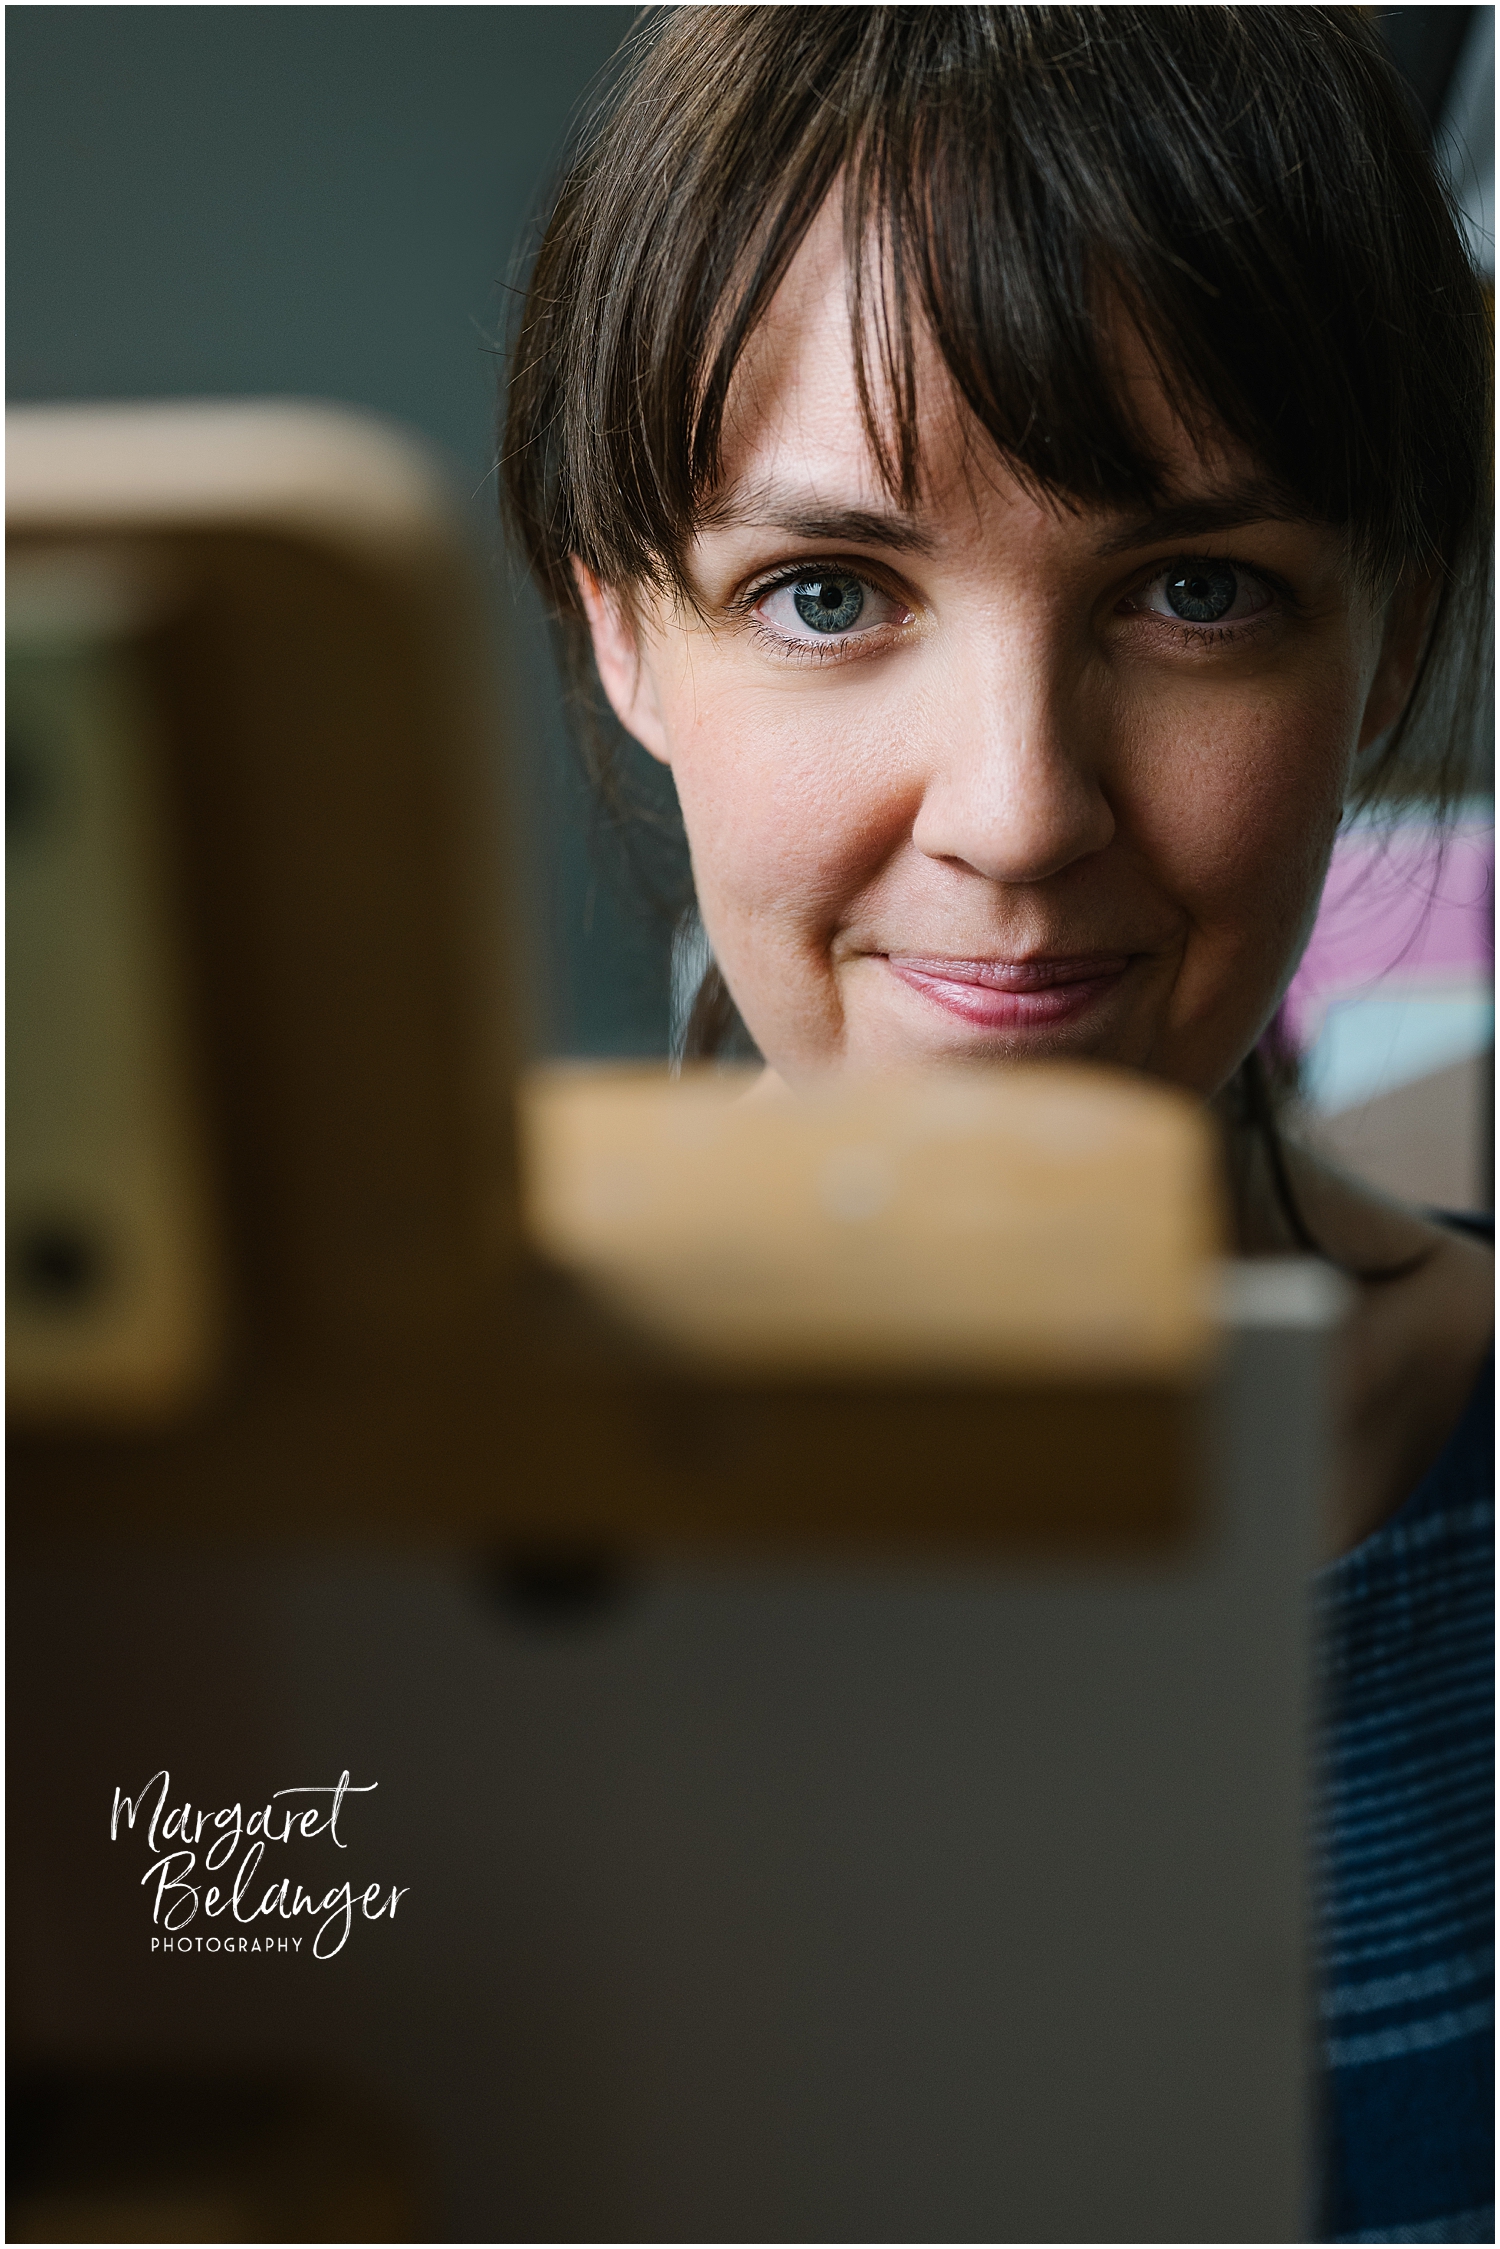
{"x":827,"y":605}
{"x":1198,"y":592}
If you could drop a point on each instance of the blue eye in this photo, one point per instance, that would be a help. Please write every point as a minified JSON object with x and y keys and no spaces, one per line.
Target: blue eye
{"x":829,"y":605}
{"x":1202,"y":593}
{"x":827,"y":609}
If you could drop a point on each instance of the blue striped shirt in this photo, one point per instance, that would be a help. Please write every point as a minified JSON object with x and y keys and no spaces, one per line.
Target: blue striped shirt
{"x":1404,"y":1859}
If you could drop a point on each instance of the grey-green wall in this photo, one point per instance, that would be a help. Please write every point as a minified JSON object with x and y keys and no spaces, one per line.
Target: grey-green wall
{"x":326,"y":202}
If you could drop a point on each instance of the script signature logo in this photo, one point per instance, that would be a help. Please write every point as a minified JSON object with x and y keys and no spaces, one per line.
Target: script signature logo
{"x":219,"y":1835}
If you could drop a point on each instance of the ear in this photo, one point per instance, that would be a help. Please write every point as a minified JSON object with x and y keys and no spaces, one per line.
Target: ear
{"x":624,"y":673}
{"x":1407,"y":618}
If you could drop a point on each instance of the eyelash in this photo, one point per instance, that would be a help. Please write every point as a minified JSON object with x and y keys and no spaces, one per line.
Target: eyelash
{"x":835,"y":649}
{"x":1189,"y":634}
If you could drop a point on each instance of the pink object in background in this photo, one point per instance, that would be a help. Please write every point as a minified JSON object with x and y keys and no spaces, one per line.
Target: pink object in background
{"x":1405,"y":907}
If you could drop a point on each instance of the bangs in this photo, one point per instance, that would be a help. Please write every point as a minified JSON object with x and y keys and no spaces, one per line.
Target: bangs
{"x":1245,"y":187}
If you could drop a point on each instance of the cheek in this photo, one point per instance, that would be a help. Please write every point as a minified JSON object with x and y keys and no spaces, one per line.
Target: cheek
{"x":1249,"y":814}
{"x":789,"y":812}
{"x":1238,"y":819}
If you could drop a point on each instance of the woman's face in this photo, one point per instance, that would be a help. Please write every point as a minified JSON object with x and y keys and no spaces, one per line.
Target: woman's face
{"x":992,"y":780}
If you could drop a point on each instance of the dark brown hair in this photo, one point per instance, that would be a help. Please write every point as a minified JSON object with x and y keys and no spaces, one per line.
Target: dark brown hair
{"x":1248,"y":183}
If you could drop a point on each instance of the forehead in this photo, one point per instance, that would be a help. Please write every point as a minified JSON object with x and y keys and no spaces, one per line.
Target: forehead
{"x":794,"y":418}
{"x":793,"y":413}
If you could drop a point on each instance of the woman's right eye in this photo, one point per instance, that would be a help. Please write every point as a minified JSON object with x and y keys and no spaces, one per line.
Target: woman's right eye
{"x":827,"y":605}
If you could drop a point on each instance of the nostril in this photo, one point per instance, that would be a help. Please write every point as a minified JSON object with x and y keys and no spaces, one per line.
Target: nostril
{"x":1014,"y":831}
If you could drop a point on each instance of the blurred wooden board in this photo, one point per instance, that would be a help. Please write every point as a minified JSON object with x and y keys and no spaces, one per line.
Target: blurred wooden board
{"x":978,"y":1323}
{"x":317,"y":745}
{"x":499,"y":1450}
{"x":114,"y":1259}
{"x":1030,"y":1224}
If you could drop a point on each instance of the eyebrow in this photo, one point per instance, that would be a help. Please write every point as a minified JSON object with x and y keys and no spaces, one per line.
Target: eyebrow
{"x":801,"y":515}
{"x":1229,"y":510}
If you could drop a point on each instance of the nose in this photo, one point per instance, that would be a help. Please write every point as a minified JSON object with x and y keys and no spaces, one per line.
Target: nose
{"x":1014,"y":790}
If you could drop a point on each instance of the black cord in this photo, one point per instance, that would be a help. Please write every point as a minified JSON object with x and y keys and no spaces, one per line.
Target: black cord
{"x":1260,"y":1116}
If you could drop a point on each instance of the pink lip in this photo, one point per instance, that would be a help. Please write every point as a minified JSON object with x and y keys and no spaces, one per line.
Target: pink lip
{"x":1013,"y":995}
